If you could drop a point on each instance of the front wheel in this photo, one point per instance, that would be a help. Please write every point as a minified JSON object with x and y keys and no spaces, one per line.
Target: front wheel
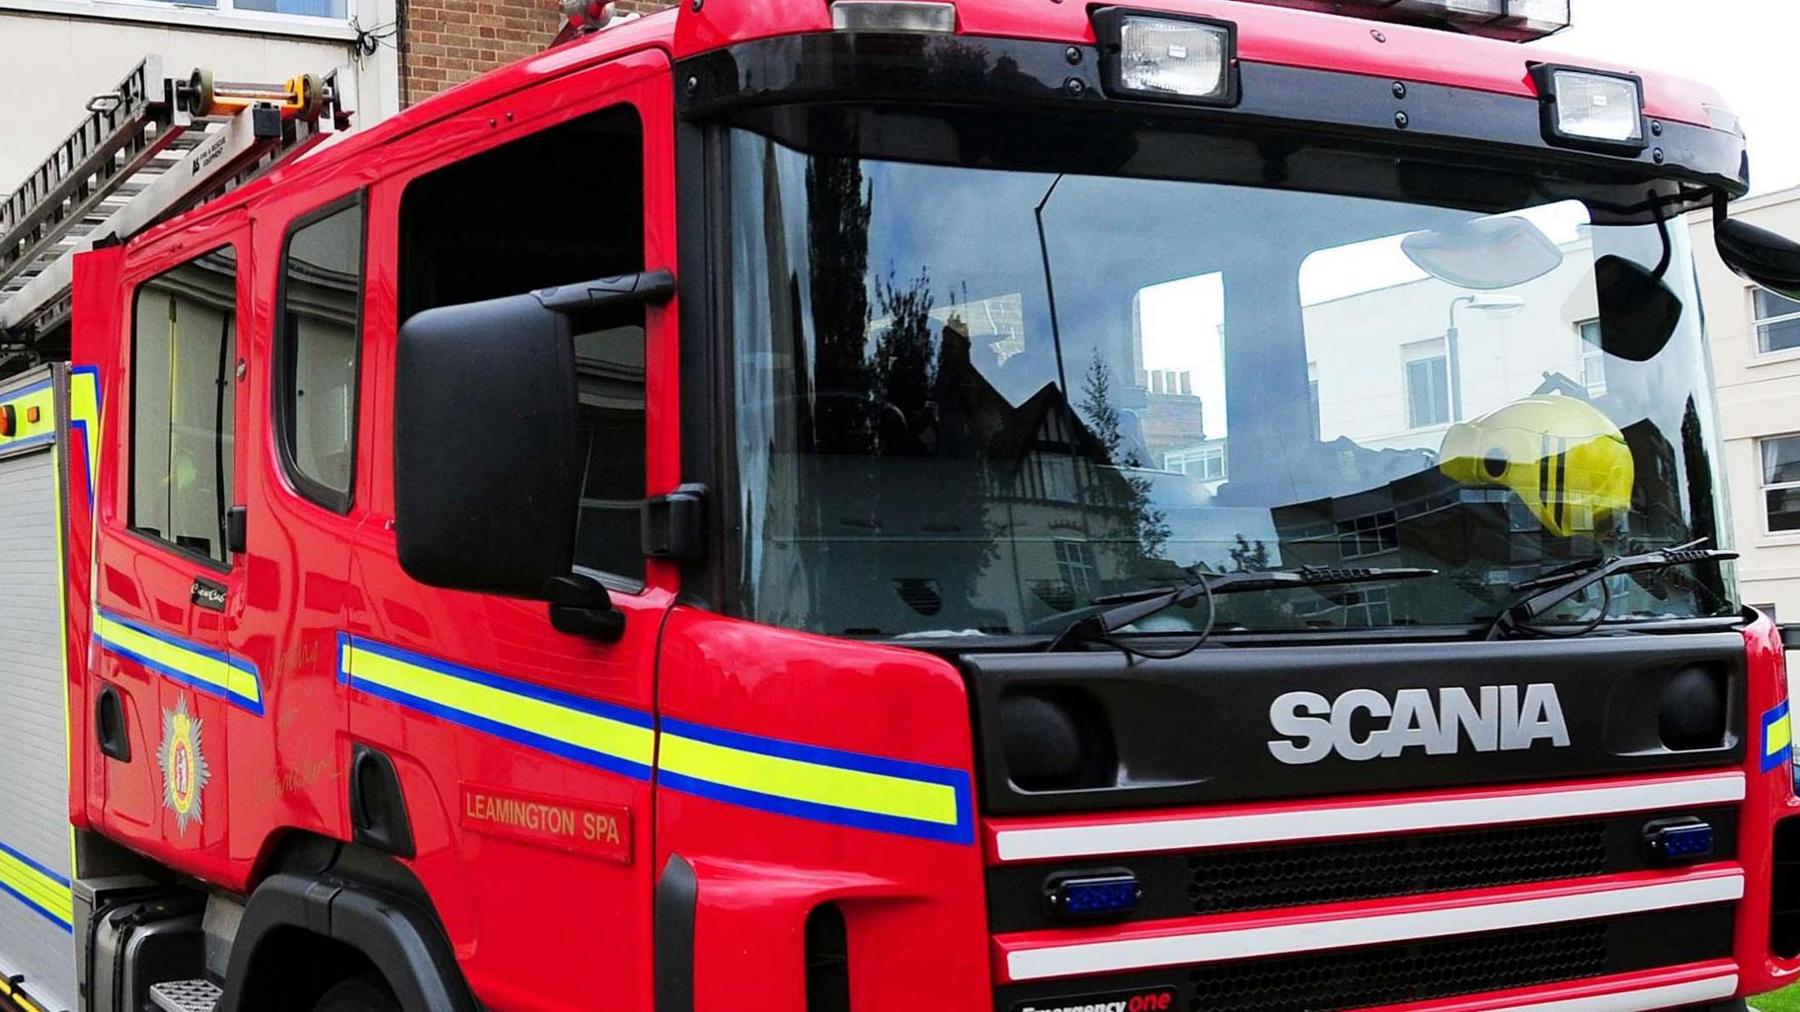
{"x":358,"y":994}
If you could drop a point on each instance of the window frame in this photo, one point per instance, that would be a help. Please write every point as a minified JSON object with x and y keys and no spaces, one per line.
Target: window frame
{"x":392,"y":194}
{"x":237,"y":307}
{"x":1588,"y":350}
{"x":1430,"y":349}
{"x":280,"y":380}
{"x":1764,"y":487}
{"x":223,"y":17}
{"x":1758,"y":322}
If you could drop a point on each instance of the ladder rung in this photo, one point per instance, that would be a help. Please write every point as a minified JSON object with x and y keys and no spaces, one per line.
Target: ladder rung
{"x":89,"y":150}
{"x":156,"y":147}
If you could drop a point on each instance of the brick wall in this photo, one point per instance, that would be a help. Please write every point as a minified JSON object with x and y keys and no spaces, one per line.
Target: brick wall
{"x":446,"y":42}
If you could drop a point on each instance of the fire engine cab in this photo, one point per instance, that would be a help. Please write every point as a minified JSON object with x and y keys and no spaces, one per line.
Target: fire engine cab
{"x":876,"y":505}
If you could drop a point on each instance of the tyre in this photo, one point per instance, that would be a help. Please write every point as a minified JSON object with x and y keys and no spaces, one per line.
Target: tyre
{"x":358,"y":994}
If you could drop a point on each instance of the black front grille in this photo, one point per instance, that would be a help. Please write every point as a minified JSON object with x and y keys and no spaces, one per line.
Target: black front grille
{"x":1394,"y":974}
{"x":1394,"y":866}
{"x":1274,"y":876}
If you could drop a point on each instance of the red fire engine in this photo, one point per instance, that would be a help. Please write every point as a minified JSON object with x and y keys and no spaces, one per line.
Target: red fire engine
{"x":877,"y":505}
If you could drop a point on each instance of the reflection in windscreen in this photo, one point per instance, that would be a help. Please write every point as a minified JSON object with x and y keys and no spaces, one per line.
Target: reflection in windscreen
{"x":1225,"y":378}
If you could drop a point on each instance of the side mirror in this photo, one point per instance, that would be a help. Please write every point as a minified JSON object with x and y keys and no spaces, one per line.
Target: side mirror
{"x":1759,"y":255}
{"x":1638,"y":312}
{"x":487,"y":475}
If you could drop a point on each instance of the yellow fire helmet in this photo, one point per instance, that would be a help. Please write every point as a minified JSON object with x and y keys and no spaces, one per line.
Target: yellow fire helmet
{"x":1566,"y":460}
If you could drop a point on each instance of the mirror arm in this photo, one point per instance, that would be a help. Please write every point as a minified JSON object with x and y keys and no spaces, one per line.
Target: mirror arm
{"x":580,"y":606}
{"x":653,"y":288}
{"x":1668,"y":249}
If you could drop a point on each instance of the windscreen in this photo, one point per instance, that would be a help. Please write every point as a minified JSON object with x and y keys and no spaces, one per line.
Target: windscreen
{"x":974,"y":400}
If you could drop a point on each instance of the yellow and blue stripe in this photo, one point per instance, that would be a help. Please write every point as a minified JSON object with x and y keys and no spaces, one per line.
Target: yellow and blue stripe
{"x":771,"y":774}
{"x":812,"y":782}
{"x":41,"y":890}
{"x":84,"y":421}
{"x":1777,"y":737}
{"x":586,"y":731}
{"x":202,"y":668}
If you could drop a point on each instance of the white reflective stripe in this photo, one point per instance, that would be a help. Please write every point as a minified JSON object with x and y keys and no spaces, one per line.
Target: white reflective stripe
{"x":1276,"y":939}
{"x":1667,"y":996}
{"x":1361,"y":820}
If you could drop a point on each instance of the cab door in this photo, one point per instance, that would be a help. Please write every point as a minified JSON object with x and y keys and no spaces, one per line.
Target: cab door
{"x":168,"y":688}
{"x":524,"y":754}
{"x":301,"y":478}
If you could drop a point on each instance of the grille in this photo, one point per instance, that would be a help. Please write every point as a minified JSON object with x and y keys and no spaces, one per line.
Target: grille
{"x":1387,"y":975}
{"x":1394,"y":866}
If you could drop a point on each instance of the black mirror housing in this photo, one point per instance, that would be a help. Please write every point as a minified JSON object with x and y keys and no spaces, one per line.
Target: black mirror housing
{"x":485,"y":440}
{"x":1758,"y":255}
{"x":1638,"y":312}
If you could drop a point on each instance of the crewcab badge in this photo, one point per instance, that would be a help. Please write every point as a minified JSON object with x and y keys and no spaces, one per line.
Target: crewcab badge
{"x":207,"y":594}
{"x":1364,"y":724}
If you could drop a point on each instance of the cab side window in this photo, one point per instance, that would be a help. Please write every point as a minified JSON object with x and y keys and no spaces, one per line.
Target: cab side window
{"x":317,"y":348}
{"x":183,"y":402}
{"x":560,"y":206}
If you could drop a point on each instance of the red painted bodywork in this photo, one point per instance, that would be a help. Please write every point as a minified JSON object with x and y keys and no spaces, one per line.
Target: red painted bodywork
{"x":537,"y":928}
{"x":1770,"y":797}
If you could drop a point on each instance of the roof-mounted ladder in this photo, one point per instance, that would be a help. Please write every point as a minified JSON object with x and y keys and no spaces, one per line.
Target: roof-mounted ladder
{"x":151,"y":148}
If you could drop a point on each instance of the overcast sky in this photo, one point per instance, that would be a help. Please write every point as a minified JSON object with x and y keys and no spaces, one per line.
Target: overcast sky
{"x":1744,"y":48}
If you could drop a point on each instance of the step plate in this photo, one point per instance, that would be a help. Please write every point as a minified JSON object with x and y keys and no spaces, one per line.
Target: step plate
{"x":185,"y":995}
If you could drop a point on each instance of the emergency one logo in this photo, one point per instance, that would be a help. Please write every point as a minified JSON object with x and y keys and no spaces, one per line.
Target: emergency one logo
{"x":183,"y":765}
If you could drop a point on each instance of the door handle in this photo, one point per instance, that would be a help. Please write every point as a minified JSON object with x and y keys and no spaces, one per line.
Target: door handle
{"x":237,"y":529}
{"x":109,"y":725}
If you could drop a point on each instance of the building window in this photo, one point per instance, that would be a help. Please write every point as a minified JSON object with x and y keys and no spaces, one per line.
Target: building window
{"x":1781,"y":483}
{"x":183,"y":404}
{"x":1312,"y":397}
{"x":1368,"y":608}
{"x":338,"y":9}
{"x":1075,"y":564}
{"x":1372,"y":534}
{"x":1593,"y":358}
{"x":521,"y":237}
{"x":1206,"y":463}
{"x":1427,"y":384}
{"x":1777,"y":323}
{"x":316,"y":355}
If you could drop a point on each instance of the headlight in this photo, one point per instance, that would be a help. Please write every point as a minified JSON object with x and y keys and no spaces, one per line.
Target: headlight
{"x":1171,"y":58}
{"x":1586,"y":108}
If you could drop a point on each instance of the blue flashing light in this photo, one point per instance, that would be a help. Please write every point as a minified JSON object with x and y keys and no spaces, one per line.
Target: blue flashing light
{"x":1679,"y":841}
{"x":1093,"y":897}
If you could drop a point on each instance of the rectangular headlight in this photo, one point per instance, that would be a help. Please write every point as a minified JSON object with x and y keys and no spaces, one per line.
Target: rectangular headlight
{"x":1167,"y":57}
{"x":1586,"y":108}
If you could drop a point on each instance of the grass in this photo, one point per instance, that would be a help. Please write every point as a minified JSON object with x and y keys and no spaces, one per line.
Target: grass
{"x":1787,"y":1000}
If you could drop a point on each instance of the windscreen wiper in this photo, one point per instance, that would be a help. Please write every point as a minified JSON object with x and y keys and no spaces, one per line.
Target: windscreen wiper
{"x":1116,"y":611}
{"x":1546,"y":592}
